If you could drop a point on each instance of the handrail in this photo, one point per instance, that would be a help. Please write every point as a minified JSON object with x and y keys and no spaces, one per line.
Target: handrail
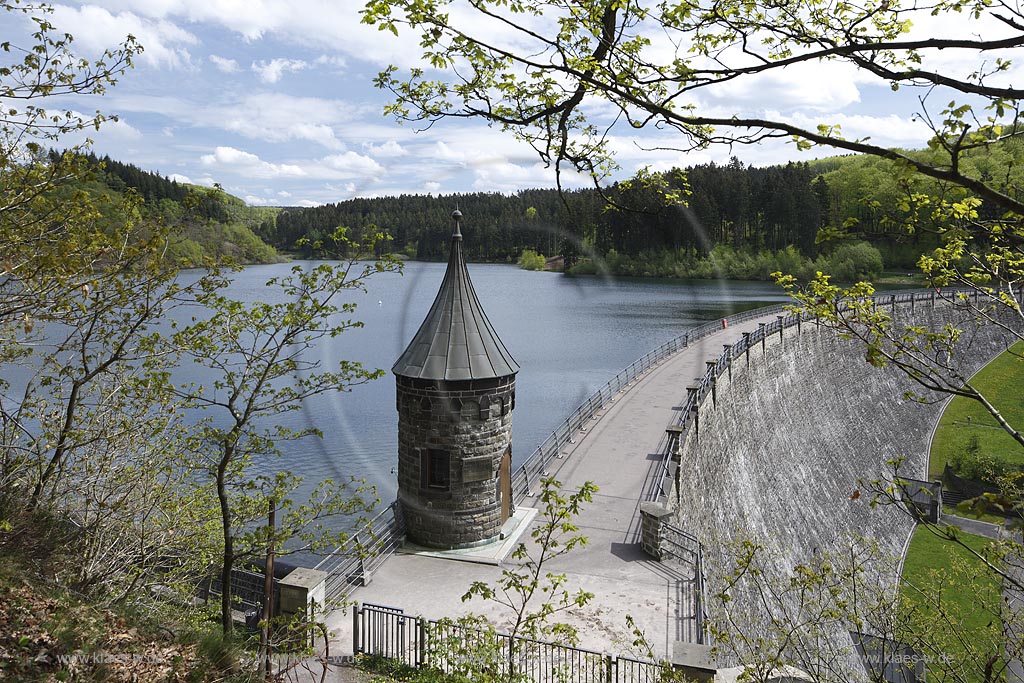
{"x":694,"y":399}
{"x":533,"y":468}
{"x":365,"y":549}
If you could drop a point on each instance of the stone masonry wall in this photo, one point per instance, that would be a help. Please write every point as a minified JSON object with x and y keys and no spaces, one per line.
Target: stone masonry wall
{"x":472,"y":421}
{"x":780,"y":456}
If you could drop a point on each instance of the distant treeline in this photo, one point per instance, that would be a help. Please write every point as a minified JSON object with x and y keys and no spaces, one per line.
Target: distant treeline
{"x":745,"y":207}
{"x":732,"y":206}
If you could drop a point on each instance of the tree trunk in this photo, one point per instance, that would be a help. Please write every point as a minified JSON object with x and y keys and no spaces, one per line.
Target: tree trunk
{"x":268,"y":599}
{"x":227,"y":559}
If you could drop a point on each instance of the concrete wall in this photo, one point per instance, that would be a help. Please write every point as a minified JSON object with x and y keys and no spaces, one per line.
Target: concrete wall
{"x":779,"y":459}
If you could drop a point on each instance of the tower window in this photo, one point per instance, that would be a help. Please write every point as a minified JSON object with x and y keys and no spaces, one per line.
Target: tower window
{"x":435,"y":469}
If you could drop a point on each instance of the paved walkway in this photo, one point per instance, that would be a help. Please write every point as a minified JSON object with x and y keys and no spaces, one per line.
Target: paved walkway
{"x":619,"y":453}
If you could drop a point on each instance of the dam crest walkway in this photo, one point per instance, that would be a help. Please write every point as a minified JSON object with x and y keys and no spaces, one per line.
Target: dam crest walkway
{"x":619,"y":446}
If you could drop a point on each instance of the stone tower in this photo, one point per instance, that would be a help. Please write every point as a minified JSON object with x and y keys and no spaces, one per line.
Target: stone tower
{"x":456,"y":392}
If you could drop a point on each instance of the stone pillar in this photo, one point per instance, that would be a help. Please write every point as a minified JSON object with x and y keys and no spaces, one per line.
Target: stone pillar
{"x":303,"y":594}
{"x":652,"y":516}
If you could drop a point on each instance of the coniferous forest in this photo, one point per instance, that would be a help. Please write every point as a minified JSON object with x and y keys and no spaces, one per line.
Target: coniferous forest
{"x":731,"y":220}
{"x":710,"y":220}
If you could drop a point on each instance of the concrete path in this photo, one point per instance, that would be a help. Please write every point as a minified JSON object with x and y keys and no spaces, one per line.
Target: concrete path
{"x":618,"y":452}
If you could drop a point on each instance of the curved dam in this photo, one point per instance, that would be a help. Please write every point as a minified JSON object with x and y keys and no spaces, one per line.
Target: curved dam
{"x":779,"y":451}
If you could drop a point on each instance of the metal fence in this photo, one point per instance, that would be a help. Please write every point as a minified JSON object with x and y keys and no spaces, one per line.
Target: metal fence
{"x":676,"y":544}
{"x":705,"y":385}
{"x":449,"y":647}
{"x":247,"y":589}
{"x":533,"y":468}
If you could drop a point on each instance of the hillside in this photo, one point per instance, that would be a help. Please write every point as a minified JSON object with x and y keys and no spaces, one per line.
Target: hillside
{"x":208,"y":224}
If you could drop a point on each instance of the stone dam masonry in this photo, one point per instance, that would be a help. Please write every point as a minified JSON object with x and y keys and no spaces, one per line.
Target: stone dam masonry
{"x":784,"y":446}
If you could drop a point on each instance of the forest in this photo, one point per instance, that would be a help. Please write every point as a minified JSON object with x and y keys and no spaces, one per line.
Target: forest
{"x":711,"y":219}
{"x":847,"y":215}
{"x":208,"y":223}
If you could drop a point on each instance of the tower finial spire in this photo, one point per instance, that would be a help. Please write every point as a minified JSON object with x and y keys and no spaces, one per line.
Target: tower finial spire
{"x":457,"y":215}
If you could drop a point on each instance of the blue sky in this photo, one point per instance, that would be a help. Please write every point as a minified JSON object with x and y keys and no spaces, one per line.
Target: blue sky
{"x":274,"y":100}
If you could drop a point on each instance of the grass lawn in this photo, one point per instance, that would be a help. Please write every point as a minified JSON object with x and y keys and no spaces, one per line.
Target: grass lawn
{"x":1001,"y":382}
{"x":939,"y":572}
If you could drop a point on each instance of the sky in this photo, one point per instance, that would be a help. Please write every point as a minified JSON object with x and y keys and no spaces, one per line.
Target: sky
{"x":274,"y":101}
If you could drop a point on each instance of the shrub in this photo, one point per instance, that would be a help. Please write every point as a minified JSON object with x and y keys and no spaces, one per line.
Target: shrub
{"x":531,"y":260}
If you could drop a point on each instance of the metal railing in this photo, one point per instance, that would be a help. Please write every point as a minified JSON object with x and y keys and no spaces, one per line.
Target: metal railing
{"x":247,"y":589}
{"x":533,"y":468}
{"x":687,"y":550}
{"x":704,"y":385}
{"x":676,"y":543}
{"x":365,"y":549}
{"x":449,"y":647}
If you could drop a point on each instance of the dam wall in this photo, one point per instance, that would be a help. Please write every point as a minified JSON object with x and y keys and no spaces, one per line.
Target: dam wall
{"x":778,"y":450}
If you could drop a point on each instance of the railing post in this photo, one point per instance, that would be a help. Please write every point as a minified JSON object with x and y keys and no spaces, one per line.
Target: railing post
{"x":760,"y":328}
{"x":728,"y":358}
{"x":421,"y":641}
{"x":693,"y":398}
{"x":780,"y":319}
{"x":355,"y":629}
{"x":713,"y":371}
{"x":746,"y":343}
{"x":609,"y":663}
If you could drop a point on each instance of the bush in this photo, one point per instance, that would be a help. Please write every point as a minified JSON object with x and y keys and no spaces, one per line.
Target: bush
{"x":531,"y":260}
{"x":852,"y":261}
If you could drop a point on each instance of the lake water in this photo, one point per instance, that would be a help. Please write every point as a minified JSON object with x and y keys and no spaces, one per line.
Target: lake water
{"x":569,"y":335}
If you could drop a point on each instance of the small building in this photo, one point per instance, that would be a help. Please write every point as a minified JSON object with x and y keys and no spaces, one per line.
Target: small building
{"x":456,"y":390}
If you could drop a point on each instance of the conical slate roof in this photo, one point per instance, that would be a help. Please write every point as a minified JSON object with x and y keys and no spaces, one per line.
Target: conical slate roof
{"x":456,"y":341}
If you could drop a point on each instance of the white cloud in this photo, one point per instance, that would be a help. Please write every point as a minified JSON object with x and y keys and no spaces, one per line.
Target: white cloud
{"x":266,"y":116}
{"x":177,"y":177}
{"x":817,"y":87}
{"x":248,"y":164}
{"x":506,"y":177}
{"x":389,"y":149}
{"x":431,"y":186}
{"x":339,"y":63}
{"x":96,"y":29}
{"x":887,"y":131}
{"x":349,"y":165}
{"x":225,"y":65}
{"x":271,"y":71}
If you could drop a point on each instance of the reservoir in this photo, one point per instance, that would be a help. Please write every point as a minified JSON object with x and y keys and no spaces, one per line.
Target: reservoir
{"x":569,"y":335}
